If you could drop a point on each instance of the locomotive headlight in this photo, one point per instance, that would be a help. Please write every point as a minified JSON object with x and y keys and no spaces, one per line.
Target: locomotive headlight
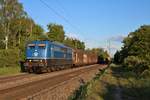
{"x":29,"y":60}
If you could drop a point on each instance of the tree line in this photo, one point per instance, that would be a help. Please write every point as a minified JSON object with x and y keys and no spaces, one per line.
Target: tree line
{"x":135,"y":53}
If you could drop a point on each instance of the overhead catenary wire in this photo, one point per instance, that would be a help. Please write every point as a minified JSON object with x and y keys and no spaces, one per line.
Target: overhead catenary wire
{"x":62,"y":7}
{"x":59,"y":15}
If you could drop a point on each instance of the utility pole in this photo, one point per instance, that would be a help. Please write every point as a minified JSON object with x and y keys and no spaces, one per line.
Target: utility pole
{"x":19,"y":33}
{"x":6,"y":37}
{"x":6,"y":42}
{"x":109,"y":46}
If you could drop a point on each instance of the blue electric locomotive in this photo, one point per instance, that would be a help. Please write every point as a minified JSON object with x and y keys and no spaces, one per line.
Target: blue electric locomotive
{"x":47,"y":55}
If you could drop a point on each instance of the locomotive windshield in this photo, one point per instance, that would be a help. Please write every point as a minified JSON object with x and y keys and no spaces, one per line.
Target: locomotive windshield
{"x":41,"y":46}
{"x":31,"y":46}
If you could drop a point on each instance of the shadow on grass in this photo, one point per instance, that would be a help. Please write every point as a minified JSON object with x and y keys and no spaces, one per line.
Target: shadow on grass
{"x":136,"y":93}
{"x":136,"y":89}
{"x":109,"y":94}
{"x":122,"y":72}
{"x":126,"y":93}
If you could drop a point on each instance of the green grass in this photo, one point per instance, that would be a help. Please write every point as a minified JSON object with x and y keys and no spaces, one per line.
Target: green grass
{"x":137,"y":89}
{"x":9,"y":70}
{"x":96,"y":90}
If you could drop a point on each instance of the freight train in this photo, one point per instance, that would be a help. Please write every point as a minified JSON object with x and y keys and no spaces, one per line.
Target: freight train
{"x":52,"y":56}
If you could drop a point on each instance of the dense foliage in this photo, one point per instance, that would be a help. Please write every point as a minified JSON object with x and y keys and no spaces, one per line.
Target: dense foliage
{"x":16,"y":26}
{"x":56,"y":32}
{"x":74,"y":43}
{"x":8,"y":56}
{"x":135,"y":52}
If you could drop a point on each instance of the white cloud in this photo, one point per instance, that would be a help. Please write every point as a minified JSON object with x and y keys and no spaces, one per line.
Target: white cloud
{"x":117,"y":38}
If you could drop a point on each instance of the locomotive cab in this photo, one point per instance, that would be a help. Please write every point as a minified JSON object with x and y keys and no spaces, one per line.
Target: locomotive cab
{"x":36,"y":54}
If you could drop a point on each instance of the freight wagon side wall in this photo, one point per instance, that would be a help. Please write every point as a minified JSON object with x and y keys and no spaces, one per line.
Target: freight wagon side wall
{"x":84,"y":58}
{"x":77,"y":57}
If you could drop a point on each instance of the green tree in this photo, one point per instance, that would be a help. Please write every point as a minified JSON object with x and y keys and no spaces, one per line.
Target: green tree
{"x":136,"y":49}
{"x":9,"y":11}
{"x":74,"y":43}
{"x":56,"y":32}
{"x":137,"y":43}
{"x":37,"y":31}
{"x":16,"y":28}
{"x":117,"y":57}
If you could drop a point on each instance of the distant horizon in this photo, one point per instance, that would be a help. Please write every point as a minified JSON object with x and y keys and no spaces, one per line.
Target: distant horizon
{"x":94,"y":22}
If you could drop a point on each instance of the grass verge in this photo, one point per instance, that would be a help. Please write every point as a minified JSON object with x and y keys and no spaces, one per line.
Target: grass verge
{"x":9,"y":70}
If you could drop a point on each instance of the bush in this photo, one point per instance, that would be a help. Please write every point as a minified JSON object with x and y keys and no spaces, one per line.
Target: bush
{"x":9,"y":70}
{"x":9,"y":58}
{"x":145,"y":74}
{"x":136,"y":64}
{"x":131,"y":61}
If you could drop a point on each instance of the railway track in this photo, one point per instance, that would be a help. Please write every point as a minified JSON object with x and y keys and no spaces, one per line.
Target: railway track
{"x":34,"y":87}
{"x":20,"y":79}
{"x":14,"y":77}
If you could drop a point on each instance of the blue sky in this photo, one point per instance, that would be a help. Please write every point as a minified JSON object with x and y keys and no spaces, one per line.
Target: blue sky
{"x":94,"y":21}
